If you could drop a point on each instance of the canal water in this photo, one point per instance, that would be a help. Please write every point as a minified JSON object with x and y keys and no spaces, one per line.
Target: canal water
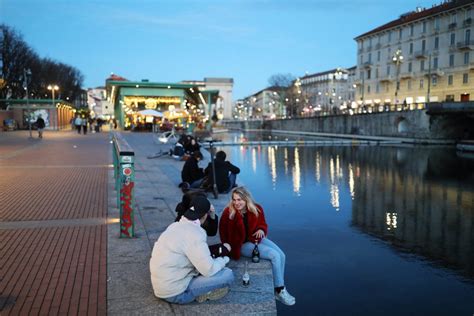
{"x":367,"y":230}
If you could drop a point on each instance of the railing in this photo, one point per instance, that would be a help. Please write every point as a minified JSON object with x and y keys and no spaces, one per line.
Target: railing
{"x":465,"y":44}
{"x":420,"y":54}
{"x":467,"y":22}
{"x":124,"y":175}
{"x":452,"y":25}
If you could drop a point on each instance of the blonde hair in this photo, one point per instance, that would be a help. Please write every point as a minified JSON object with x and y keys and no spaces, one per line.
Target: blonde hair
{"x":245,"y":195}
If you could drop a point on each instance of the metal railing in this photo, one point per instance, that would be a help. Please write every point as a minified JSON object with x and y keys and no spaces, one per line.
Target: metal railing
{"x":124,"y":175}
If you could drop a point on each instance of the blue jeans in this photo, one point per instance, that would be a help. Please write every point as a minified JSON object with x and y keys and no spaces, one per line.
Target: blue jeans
{"x":269,"y":250}
{"x":196,"y":184}
{"x":232,"y":179}
{"x":201,"y":285}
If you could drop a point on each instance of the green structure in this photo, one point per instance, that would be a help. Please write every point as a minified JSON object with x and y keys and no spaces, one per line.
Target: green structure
{"x":179,"y":102}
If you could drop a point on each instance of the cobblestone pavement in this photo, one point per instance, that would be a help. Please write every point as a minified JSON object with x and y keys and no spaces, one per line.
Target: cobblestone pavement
{"x":53,"y":234}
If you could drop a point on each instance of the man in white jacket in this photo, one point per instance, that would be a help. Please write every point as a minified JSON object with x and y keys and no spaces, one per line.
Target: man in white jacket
{"x":181,"y":266}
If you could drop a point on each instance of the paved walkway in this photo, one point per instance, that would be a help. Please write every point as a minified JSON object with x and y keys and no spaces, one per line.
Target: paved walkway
{"x":53,"y":201}
{"x":59,"y":246}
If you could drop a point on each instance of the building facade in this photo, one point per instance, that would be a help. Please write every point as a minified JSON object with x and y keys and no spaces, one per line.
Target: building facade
{"x":327,"y":92}
{"x":424,"y":56}
{"x":268,"y":103}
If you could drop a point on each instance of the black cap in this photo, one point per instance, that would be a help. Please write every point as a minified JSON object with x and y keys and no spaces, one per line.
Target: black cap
{"x":198,"y":208}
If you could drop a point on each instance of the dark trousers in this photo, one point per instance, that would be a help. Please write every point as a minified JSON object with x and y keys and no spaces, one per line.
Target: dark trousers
{"x":78,"y":127}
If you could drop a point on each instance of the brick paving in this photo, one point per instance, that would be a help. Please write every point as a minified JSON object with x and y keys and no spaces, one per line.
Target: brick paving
{"x":53,"y":236}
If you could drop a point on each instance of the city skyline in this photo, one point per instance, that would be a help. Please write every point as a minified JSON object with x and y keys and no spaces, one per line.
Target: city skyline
{"x":165,"y":41}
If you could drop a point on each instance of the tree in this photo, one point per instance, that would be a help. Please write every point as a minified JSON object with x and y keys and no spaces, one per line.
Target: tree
{"x":286,"y":85}
{"x":16,"y":56}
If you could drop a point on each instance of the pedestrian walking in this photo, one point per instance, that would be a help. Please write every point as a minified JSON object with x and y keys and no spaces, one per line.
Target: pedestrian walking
{"x":78,"y":123}
{"x":84,"y":125}
{"x":40,"y":125}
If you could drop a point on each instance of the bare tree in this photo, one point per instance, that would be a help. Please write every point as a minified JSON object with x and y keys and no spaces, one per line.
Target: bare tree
{"x":16,"y":56}
{"x":281,"y":80}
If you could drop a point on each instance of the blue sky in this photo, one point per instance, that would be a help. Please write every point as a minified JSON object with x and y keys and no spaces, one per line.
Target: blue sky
{"x":169,"y":41}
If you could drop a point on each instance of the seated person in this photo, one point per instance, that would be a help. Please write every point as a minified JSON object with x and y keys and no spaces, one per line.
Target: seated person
{"x":191,"y":146}
{"x":182,"y":268}
{"x":210,"y":225}
{"x":226,"y":173}
{"x":191,"y":172}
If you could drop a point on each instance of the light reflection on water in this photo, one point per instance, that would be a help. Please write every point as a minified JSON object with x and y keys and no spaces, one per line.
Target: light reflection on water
{"x":376,"y":226}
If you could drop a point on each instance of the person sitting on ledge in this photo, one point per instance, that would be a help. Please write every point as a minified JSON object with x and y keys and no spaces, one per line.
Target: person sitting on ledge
{"x":181,"y":266}
{"x":226,"y":173}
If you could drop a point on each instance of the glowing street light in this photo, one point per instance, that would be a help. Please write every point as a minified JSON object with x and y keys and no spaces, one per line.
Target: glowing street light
{"x":397,"y":59}
{"x":53,"y":88}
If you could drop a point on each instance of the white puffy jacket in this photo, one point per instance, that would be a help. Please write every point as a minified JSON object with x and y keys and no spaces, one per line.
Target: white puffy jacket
{"x":178,"y":255}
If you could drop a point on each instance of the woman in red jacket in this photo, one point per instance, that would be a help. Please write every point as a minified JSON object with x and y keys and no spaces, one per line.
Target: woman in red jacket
{"x":242,"y":225}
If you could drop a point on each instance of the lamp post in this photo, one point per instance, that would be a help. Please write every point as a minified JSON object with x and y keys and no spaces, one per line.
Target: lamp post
{"x":397,"y":59}
{"x":26,"y":77}
{"x":54,"y":88}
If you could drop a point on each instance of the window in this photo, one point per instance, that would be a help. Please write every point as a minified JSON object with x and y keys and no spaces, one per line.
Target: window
{"x":435,"y":63}
{"x":467,"y":36}
{"x":466,"y":58}
{"x":370,"y":58}
{"x":376,"y":73}
{"x":389,"y":36}
{"x":436,"y":42}
{"x":468,"y":13}
{"x":377,"y":88}
{"x":369,"y":72}
{"x":368,"y":88}
{"x":453,"y":18}
{"x":370,"y":42}
{"x":409,"y":84}
{"x":423,"y":27}
{"x":361,"y":59}
{"x":410,"y":66}
{"x":412,"y":29}
{"x":388,"y":70}
{"x":452,"y":39}
{"x":411,"y":48}
{"x":400,"y":33}
{"x":451,"y":60}
{"x":465,"y":78}
{"x":434,"y":80}
{"x":421,"y":83}
{"x":450,"y":80}
{"x":422,"y":65}
{"x":436,"y":23}
{"x":378,"y":56}
{"x":450,"y":98}
{"x":423,"y":45}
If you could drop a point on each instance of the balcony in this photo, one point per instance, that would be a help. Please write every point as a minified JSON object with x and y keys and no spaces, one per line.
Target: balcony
{"x":368,"y":49}
{"x":471,"y":65}
{"x":367,"y":64}
{"x":467,"y":22}
{"x":452,"y":26}
{"x":378,"y":46}
{"x":388,"y":78}
{"x":465,"y":45}
{"x":407,"y":75}
{"x":421,"y":54}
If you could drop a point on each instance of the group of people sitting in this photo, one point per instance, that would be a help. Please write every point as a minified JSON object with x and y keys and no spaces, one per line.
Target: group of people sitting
{"x":195,"y":177}
{"x":185,"y":269}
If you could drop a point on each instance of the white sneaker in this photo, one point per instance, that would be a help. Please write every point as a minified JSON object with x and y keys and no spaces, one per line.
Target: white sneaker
{"x":285,"y":297}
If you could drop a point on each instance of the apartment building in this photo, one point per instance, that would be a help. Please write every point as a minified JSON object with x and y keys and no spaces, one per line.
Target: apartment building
{"x":423,"y":56}
{"x":328,"y":92}
{"x":267,"y":103}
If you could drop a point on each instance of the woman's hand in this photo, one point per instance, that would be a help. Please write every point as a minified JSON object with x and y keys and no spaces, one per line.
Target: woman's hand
{"x":259,"y":234}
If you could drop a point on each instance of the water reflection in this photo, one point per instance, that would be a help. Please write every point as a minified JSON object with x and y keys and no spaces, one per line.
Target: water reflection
{"x":417,"y":200}
{"x":422,"y":205}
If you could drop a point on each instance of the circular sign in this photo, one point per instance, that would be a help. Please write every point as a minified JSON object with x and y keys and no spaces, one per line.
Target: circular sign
{"x":127,"y":171}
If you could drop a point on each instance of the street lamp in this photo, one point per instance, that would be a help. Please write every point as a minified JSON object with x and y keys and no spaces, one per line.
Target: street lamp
{"x":26,"y":78}
{"x":53,"y":88}
{"x":397,"y":59}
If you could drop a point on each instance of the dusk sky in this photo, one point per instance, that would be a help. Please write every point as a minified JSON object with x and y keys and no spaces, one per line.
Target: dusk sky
{"x":170,"y":41}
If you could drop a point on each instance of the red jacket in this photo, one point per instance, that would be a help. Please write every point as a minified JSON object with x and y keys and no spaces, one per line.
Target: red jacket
{"x":232,"y":231}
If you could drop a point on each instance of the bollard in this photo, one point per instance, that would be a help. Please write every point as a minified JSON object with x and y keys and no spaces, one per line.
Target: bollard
{"x":124,"y":171}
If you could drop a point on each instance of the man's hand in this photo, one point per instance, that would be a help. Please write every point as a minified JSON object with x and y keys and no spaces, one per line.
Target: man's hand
{"x":212,"y":212}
